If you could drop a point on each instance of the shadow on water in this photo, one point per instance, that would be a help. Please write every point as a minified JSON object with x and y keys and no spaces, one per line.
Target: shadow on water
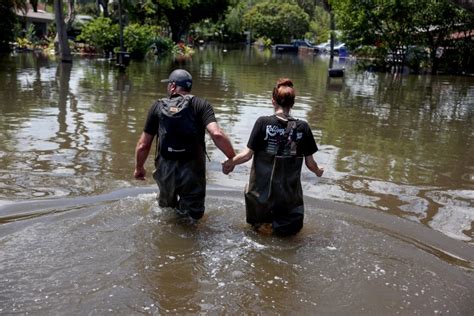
{"x":119,"y":252}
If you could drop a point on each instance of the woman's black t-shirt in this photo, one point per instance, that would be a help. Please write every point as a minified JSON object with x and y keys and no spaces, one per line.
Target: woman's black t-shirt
{"x":269,"y":132}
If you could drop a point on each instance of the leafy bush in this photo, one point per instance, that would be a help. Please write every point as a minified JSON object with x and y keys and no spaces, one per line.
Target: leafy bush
{"x":264,"y":42}
{"x":101,"y":33}
{"x":162,"y":44}
{"x":138,"y":39}
{"x":181,"y":49}
{"x":24,"y":43}
{"x":30,"y":34}
{"x":28,"y":40}
{"x":368,"y":51}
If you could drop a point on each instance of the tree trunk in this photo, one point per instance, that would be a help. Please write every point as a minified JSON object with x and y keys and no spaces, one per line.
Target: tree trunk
{"x":176,"y":32}
{"x":34,"y":5}
{"x":71,"y":14}
{"x":332,"y":38}
{"x":63,"y":44}
{"x":466,"y":4}
{"x":104,"y":5}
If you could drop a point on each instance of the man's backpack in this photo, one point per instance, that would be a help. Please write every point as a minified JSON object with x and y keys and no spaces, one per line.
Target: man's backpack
{"x":178,"y":138}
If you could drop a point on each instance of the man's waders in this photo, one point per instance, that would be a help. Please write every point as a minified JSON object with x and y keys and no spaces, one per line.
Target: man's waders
{"x":182,"y":185}
{"x":180,"y":163}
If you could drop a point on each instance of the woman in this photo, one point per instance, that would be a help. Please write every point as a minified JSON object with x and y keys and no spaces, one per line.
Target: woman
{"x":278,"y":144}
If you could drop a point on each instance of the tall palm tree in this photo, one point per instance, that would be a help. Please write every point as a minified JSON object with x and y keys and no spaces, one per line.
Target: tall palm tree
{"x":63,"y":44}
{"x":34,"y":5}
{"x":71,"y":14}
{"x":466,"y":4}
{"x":19,"y":5}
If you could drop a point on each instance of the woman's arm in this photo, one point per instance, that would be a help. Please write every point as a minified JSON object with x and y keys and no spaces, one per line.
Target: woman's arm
{"x":313,"y":166}
{"x":244,"y":156}
{"x":240,"y":158}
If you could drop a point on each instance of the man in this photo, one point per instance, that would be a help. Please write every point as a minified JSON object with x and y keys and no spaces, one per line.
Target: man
{"x":179,"y":122}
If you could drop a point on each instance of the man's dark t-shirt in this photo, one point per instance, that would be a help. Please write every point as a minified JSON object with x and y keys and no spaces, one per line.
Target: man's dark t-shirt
{"x":202,"y":110}
{"x":269,"y":132}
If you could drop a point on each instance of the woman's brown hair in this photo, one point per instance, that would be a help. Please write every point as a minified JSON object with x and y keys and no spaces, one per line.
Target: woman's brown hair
{"x":283,"y":93}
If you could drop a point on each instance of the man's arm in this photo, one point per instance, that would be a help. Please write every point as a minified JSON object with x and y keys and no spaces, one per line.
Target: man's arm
{"x":141,"y":154}
{"x":220,"y":139}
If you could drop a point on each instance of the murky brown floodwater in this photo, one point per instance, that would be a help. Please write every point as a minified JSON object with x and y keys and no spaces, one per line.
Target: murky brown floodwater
{"x":388,"y":229}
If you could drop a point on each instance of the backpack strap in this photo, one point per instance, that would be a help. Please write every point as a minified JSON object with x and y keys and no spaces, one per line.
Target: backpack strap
{"x":177,"y":101}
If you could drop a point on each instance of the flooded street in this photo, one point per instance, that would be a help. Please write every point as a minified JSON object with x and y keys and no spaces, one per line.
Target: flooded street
{"x":388,"y":228}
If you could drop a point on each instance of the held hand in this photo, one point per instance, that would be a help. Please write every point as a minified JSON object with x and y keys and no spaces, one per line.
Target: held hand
{"x":229,"y":169}
{"x":319,"y":172}
{"x":227,"y":166}
{"x":139,"y":173}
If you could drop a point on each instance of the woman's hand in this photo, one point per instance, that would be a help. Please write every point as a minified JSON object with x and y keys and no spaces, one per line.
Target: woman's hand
{"x":319,"y":172}
{"x":313,"y":166}
{"x":227,"y":166}
{"x":244,"y":156}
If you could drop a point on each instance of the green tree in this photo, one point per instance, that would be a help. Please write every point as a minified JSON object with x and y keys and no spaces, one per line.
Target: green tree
{"x":389,"y":22}
{"x":101,"y":33}
{"x":395,"y":25}
{"x":182,"y":13}
{"x":436,"y":21}
{"x":308,"y":6}
{"x":233,"y":17}
{"x":8,"y":20}
{"x":319,"y":25}
{"x":143,"y":12}
{"x":279,"y":21}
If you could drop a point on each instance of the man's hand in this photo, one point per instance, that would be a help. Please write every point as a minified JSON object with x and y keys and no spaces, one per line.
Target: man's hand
{"x":139,"y":173}
{"x":227,"y":166}
{"x":141,"y":153}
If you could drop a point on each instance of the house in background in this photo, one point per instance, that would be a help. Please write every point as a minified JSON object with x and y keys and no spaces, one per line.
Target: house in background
{"x":40,"y":19}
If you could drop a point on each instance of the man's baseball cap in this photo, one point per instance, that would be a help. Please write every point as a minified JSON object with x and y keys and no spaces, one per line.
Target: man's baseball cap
{"x":181,"y":77}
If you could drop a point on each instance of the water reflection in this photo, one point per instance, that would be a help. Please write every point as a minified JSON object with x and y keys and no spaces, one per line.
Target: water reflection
{"x":389,"y":130}
{"x":400,"y":144}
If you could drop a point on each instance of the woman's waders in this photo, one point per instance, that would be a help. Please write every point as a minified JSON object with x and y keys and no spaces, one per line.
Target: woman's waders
{"x":274,"y":194}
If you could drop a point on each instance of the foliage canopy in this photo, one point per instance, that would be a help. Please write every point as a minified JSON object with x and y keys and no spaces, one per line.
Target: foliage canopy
{"x":280,"y":22}
{"x":101,"y":33}
{"x":139,"y":38}
{"x":396,"y":25}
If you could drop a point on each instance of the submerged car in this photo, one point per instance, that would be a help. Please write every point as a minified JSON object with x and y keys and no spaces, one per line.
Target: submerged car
{"x":340,"y":49}
{"x":293,"y":47}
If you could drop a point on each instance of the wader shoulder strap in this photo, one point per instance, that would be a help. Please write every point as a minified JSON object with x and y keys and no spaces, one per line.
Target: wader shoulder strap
{"x":289,"y":139}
